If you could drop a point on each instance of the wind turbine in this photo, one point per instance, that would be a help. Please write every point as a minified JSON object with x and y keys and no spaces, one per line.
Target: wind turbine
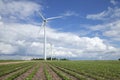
{"x":51,"y":51}
{"x":45,"y":20}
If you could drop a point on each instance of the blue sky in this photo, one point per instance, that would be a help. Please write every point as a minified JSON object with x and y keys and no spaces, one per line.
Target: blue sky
{"x":87,"y":29}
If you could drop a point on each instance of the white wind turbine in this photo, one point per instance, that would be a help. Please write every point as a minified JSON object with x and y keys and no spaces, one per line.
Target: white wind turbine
{"x":51,"y":45}
{"x":45,"y":20}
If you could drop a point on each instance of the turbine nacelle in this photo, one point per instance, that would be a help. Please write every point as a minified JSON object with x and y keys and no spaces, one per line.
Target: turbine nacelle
{"x":45,"y":20}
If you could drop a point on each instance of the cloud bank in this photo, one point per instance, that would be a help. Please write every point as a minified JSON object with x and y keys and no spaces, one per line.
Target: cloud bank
{"x":23,"y":39}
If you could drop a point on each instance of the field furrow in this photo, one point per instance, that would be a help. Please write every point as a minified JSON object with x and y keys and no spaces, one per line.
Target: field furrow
{"x":63,"y":75}
{"x":40,"y":74}
{"x":53,"y":74}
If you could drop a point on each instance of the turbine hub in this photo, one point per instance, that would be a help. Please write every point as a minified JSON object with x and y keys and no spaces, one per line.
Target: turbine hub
{"x":45,"y":20}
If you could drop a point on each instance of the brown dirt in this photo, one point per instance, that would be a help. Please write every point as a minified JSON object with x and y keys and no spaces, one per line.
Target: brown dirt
{"x":53,"y":74}
{"x":4,"y":63}
{"x":24,"y":75}
{"x":40,"y":74}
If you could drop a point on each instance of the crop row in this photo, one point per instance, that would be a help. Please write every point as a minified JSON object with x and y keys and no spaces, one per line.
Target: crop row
{"x":9,"y":68}
{"x":12,"y":71}
{"x":60,"y":73}
{"x":12,"y":77}
{"x":100,"y":70}
{"x":47,"y":74}
{"x":31,"y":75}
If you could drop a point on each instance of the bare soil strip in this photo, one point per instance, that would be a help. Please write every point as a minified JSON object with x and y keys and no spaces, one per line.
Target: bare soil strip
{"x":53,"y":74}
{"x":40,"y":74}
{"x":24,"y":75}
{"x":12,"y":62}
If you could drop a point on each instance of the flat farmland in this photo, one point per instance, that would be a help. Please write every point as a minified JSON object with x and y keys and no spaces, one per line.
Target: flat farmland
{"x":60,"y":70}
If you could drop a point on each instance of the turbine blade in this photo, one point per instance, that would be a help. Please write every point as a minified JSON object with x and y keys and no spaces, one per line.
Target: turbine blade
{"x":41,"y":16}
{"x":42,"y":25}
{"x":54,"y":17}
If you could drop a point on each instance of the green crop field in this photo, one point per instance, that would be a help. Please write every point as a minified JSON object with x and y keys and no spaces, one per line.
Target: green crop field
{"x":60,"y":70}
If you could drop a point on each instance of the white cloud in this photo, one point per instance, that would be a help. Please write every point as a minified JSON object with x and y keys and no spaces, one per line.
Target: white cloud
{"x":114,"y":2}
{"x":7,"y":48}
{"x":111,"y":26}
{"x":99,"y":16}
{"x":21,"y":42}
{"x":16,"y":10}
{"x":113,"y":33}
{"x":0,"y":18}
{"x":64,"y":54}
{"x":111,"y":30}
{"x":1,"y":23}
{"x":70,"y":13}
{"x":109,"y":14}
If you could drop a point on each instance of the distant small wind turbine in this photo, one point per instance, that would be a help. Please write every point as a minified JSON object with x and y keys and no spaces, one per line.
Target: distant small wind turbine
{"x":51,"y":51}
{"x":45,"y":20}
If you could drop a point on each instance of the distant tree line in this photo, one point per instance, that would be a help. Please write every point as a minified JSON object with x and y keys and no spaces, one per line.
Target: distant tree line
{"x":119,"y":59}
{"x":37,"y":59}
{"x":49,"y":58}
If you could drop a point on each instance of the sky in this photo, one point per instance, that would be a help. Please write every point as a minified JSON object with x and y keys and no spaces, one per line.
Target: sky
{"x":86,"y":30}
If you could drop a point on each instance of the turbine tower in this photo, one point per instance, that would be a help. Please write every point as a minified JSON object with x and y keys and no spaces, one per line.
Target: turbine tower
{"x":45,"y":20}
